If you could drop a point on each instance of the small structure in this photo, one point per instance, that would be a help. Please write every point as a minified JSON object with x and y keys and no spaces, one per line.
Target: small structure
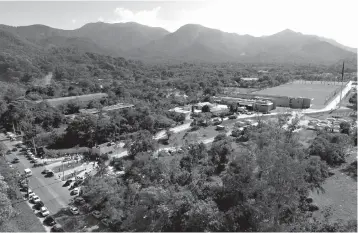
{"x":214,"y":108}
{"x":186,"y":110}
{"x":81,"y":98}
{"x":106,"y":148}
{"x":256,"y":104}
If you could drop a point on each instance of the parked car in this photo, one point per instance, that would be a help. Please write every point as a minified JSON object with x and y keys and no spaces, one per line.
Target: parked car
{"x":67,"y":183}
{"x":75,"y":191}
{"x":35,"y":199}
{"x":8,"y":152}
{"x":44,"y":211}
{"x":80,"y":200}
{"x":39,"y":205}
{"x":74,"y":210}
{"x":31,"y":195}
{"x":96,"y":214}
{"x":76,"y":184}
{"x":220,"y":127}
{"x":231,"y":117}
{"x":14,"y":149}
{"x":57,"y":228}
{"x":49,"y":220}
{"x":105,"y":222}
{"x":79,"y":178}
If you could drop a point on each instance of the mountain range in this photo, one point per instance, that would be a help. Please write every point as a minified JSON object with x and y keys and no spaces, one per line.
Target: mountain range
{"x":190,"y":42}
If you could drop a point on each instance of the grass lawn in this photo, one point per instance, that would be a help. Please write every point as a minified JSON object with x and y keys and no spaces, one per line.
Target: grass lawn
{"x":25,"y":221}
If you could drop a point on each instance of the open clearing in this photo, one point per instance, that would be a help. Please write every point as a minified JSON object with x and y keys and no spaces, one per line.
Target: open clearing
{"x":340,"y":193}
{"x":317,"y":92}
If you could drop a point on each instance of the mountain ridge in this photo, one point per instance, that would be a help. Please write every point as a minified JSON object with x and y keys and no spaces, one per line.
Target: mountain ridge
{"x":190,"y":42}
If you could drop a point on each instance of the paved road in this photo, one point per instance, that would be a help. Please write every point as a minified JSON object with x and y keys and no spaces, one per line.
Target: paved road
{"x":49,"y":190}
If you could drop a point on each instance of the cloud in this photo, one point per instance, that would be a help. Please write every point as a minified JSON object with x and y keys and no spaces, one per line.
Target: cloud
{"x":74,"y":21}
{"x":147,"y":17}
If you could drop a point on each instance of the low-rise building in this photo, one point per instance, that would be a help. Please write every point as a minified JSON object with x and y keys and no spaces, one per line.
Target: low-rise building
{"x":106,"y":108}
{"x":186,"y":110}
{"x":260,"y":105}
{"x":81,"y":98}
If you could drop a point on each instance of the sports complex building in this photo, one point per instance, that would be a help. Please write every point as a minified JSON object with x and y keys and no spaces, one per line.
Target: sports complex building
{"x":297,"y":94}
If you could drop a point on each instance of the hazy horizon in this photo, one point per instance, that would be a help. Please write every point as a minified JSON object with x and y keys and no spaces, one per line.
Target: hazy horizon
{"x":330,"y":19}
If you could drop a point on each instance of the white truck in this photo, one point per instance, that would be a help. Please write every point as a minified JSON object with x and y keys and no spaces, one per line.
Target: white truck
{"x":28,"y":172}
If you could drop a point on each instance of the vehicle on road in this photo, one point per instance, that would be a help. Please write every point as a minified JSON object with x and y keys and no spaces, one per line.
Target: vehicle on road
{"x":28,"y":172}
{"x":232,"y":117}
{"x":96,"y":214}
{"x":38,"y":205}
{"x":34,"y":160}
{"x":39,"y":164}
{"x":49,"y":220}
{"x":50,"y":174}
{"x":15,"y":160}
{"x":66,"y":159}
{"x":44,"y":211}
{"x":220,"y":127}
{"x":45,"y":171}
{"x":57,"y":228}
{"x":74,"y":210}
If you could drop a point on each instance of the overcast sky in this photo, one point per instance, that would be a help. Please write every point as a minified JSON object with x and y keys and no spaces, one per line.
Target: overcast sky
{"x":329,"y":18}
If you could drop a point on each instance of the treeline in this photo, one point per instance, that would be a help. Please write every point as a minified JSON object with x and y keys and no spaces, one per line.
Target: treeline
{"x":260,"y":185}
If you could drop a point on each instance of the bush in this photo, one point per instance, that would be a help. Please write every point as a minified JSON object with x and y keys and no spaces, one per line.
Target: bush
{"x":205,"y":108}
{"x":195,"y":128}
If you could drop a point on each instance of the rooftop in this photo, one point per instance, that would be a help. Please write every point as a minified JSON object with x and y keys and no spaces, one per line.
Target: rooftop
{"x":106,"y":108}
{"x":82,"y":98}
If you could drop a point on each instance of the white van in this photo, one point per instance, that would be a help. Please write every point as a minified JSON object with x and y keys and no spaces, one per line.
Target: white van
{"x":28,"y":172}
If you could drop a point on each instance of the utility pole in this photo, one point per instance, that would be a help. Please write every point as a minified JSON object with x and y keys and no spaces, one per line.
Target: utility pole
{"x":341,"y":86}
{"x":63,"y":172}
{"x":13,"y":127}
{"x":33,"y":143}
{"x":27,"y":182}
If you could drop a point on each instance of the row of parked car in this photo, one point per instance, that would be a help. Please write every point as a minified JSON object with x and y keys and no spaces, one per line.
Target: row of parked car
{"x":39,"y":206}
